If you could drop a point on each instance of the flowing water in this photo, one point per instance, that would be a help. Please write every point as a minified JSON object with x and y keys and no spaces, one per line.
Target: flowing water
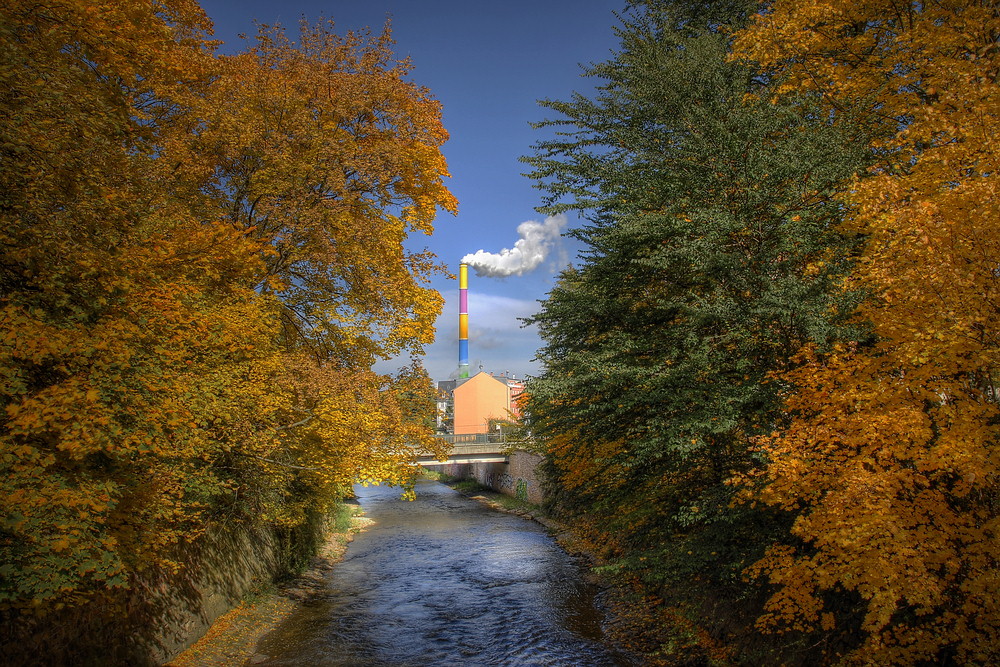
{"x":445,"y":581}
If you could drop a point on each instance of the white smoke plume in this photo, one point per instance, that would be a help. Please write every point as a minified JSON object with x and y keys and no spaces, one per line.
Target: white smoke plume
{"x":537,"y":239}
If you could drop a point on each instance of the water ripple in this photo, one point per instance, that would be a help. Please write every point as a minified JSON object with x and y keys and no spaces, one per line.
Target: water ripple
{"x":444,"y":581}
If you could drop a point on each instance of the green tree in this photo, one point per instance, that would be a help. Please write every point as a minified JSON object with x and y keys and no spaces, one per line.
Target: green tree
{"x":712,"y":257}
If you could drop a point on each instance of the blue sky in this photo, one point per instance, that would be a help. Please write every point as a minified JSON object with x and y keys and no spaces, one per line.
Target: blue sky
{"x":488,"y":64}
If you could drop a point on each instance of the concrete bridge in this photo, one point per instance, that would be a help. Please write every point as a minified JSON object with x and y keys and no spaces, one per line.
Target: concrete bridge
{"x":471,"y":448}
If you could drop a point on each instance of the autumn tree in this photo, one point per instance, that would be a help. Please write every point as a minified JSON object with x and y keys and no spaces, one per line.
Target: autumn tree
{"x":200,"y":257}
{"x":327,"y":157}
{"x":91,"y":299}
{"x":325,"y":153}
{"x":892,"y":458}
{"x":711,"y":258}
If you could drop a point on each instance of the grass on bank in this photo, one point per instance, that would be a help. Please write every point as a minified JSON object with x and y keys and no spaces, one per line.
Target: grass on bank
{"x":434,"y":475}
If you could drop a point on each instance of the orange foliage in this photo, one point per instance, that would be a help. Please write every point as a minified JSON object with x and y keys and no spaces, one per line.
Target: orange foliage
{"x":193,"y":288}
{"x":584,"y":462}
{"x":892,"y":459}
{"x":324,"y":153}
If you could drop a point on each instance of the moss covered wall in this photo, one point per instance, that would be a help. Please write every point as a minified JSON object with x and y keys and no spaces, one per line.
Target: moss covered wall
{"x":163,"y":613}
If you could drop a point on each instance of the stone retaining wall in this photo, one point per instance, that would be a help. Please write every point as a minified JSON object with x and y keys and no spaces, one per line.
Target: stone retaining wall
{"x":159,"y":617}
{"x":516,"y":478}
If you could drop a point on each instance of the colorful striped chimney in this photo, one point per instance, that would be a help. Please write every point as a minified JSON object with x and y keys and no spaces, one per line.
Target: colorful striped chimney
{"x":463,"y":320}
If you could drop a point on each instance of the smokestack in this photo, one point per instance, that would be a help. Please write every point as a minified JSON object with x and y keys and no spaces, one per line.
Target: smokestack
{"x":463,"y":320}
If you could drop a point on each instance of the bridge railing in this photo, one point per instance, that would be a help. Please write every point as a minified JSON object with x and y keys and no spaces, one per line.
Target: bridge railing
{"x":473,"y":438}
{"x":470,"y":448}
{"x":487,"y":447}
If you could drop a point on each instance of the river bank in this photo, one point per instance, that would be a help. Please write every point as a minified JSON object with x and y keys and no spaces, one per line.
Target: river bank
{"x":236,"y":637}
{"x":233,"y":638}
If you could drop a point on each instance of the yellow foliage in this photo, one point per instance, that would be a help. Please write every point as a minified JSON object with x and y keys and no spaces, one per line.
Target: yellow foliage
{"x":201,"y":257}
{"x":892,"y":456}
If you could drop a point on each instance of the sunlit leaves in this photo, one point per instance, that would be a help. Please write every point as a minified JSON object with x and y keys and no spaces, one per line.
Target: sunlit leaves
{"x":893,"y":457}
{"x":325,"y":152}
{"x":201,"y":257}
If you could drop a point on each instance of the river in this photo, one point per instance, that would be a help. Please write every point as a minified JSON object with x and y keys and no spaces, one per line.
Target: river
{"x":443,"y":580}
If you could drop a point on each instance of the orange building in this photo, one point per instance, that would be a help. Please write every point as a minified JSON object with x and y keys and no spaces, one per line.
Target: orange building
{"x":484,"y":397}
